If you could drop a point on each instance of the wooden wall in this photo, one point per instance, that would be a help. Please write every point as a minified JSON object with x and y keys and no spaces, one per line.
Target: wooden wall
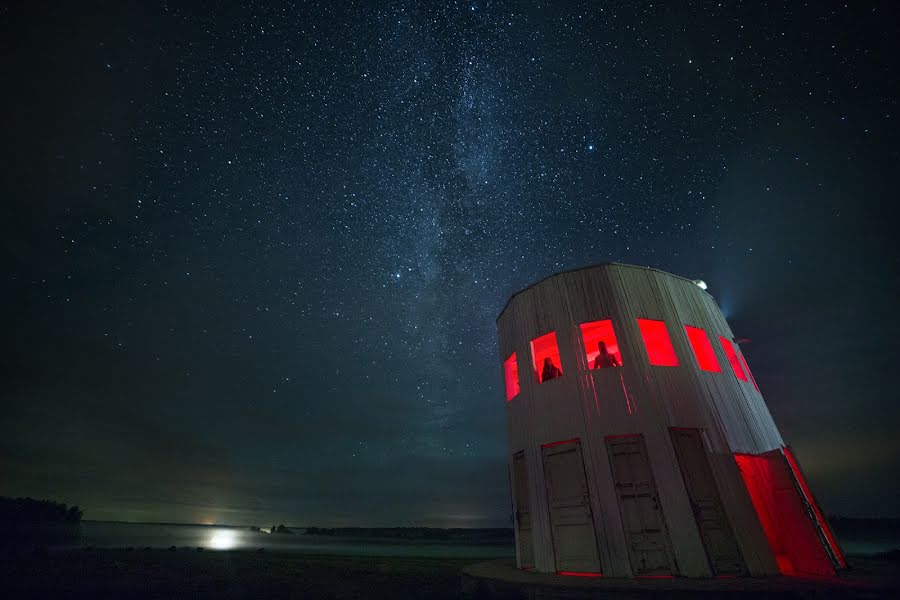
{"x":636,"y":398}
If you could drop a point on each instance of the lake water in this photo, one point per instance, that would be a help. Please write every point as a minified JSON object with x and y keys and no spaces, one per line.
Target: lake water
{"x":139,"y":535}
{"x":99,"y":534}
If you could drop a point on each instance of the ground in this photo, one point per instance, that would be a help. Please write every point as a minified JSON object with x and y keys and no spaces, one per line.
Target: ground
{"x":186,"y":573}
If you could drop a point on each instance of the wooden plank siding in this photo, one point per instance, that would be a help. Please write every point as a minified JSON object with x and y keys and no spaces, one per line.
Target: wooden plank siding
{"x":636,"y":398}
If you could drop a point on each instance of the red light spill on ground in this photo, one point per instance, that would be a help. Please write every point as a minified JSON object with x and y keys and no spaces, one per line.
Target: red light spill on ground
{"x":703,"y":350}
{"x":595,"y":332}
{"x":511,"y":375}
{"x":625,"y":391}
{"x":579,"y":574}
{"x":747,"y":369}
{"x":551,"y":444}
{"x":820,"y":519}
{"x":542,"y":348}
{"x":658,"y":343}
{"x":728,"y":347}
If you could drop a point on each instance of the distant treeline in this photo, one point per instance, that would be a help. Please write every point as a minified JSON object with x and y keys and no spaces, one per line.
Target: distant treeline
{"x":29,"y":510}
{"x":416,"y":533}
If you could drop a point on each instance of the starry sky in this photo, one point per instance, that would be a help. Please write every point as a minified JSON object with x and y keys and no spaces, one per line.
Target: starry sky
{"x":253,"y":254}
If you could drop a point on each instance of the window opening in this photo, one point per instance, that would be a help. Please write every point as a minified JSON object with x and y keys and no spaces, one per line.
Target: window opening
{"x":703,"y":350}
{"x":747,"y":368}
{"x":545,"y":357}
{"x":511,"y":376}
{"x":600,"y":345}
{"x":728,"y":346}
{"x":659,"y":347}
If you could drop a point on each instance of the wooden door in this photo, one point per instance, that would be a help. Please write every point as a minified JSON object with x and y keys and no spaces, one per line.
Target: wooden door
{"x":783,"y":514}
{"x":645,"y":529}
{"x":718,"y":538}
{"x":571,"y":521}
{"x":796,"y":520}
{"x":523,"y":512}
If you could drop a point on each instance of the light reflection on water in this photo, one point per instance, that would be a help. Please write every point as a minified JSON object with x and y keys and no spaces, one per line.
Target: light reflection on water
{"x":99,"y":534}
{"x":223,"y":539}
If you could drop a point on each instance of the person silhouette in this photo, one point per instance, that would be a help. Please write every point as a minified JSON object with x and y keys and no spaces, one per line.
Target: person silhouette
{"x":605,"y":359}
{"x":550,"y":371}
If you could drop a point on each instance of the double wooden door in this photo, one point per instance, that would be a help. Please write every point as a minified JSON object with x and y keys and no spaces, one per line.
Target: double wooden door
{"x":718,"y":537}
{"x":571,"y":519}
{"x":645,"y":528}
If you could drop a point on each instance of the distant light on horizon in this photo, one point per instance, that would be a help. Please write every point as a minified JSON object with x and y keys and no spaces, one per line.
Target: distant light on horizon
{"x":223,"y":539}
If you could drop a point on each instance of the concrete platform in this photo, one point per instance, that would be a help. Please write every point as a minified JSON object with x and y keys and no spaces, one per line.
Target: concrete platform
{"x":501,"y":580}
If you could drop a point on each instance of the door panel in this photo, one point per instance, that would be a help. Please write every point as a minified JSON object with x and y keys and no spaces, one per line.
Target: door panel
{"x":718,"y":538}
{"x":523,"y":512}
{"x":783,"y":514}
{"x":571,"y":521}
{"x":645,"y":530}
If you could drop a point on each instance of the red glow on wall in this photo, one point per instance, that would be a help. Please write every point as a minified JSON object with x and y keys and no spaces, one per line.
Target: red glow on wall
{"x":560,"y":443}
{"x":752,"y":471}
{"x":728,"y":347}
{"x":625,"y":391}
{"x":579,"y":574}
{"x":658,"y":343}
{"x":791,"y":534}
{"x":594,"y":334}
{"x":747,"y":369}
{"x":703,"y":350}
{"x":511,"y":376}
{"x":544,"y":349}
{"x":820,"y":519}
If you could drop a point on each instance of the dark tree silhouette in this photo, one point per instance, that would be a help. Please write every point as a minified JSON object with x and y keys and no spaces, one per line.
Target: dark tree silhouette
{"x":29,"y":510}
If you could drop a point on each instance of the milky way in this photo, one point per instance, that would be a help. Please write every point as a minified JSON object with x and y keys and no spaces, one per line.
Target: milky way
{"x":254,"y":255}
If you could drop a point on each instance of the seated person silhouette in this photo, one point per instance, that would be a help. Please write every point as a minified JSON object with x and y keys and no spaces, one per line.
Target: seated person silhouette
{"x":550,"y":371}
{"x":605,"y":359}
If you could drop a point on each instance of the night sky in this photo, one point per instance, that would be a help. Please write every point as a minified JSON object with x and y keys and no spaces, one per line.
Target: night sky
{"x":253,"y":255}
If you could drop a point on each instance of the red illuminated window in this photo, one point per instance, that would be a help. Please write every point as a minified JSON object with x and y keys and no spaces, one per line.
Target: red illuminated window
{"x":703,"y":350}
{"x":545,"y":357}
{"x":658,"y":343}
{"x":728,"y":346}
{"x":511,"y":376}
{"x":747,"y":369}
{"x":600,"y":345}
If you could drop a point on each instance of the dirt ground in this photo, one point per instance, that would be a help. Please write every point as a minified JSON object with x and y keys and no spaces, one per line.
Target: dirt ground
{"x":186,"y":573}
